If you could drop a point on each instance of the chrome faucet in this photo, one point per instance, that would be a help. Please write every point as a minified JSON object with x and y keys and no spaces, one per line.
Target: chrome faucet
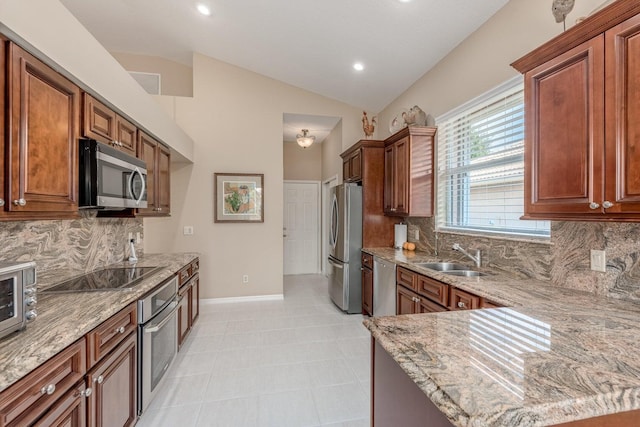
{"x":477,"y":259}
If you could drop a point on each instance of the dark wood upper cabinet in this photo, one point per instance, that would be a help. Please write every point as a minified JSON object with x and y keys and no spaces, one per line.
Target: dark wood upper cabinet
{"x":582,"y":151}
{"x":103,"y":124}
{"x":409,"y":172}
{"x":363,"y":162}
{"x":41,"y":148}
{"x":158,"y":160}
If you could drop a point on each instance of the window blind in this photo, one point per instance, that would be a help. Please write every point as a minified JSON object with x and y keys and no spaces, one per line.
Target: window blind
{"x":481,"y":165}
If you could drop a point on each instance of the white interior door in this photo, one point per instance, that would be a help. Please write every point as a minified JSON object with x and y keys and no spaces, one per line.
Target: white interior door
{"x":301,"y":228}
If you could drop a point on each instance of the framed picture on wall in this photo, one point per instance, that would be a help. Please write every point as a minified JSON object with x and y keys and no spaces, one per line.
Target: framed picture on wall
{"x":238,"y":197}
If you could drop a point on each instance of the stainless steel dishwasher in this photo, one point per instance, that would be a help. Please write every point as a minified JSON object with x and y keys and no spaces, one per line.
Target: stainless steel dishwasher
{"x":384,"y":287}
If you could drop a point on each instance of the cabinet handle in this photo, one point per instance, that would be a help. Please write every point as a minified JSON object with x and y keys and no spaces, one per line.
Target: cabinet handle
{"x":593,"y":205}
{"x":99,"y":380}
{"x":120,"y":330}
{"x":49,"y":390}
{"x":607,"y":204}
{"x":20,"y":202}
{"x":1,"y":202}
{"x":461,"y":304}
{"x":87,"y":392}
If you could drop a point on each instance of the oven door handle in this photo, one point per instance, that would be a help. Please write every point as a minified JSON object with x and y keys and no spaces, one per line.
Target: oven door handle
{"x":155,"y":328}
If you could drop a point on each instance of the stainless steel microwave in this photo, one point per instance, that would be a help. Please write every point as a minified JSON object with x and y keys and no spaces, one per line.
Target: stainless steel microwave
{"x":110,"y":179}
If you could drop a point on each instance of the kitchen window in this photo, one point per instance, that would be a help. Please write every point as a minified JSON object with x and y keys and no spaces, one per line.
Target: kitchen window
{"x":481,"y":165}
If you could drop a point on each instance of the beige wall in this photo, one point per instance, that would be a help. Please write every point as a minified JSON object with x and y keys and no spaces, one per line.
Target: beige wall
{"x":481,"y":62}
{"x":175,"y":78}
{"x":235,"y":120}
{"x":304,"y":164}
{"x":332,"y":146}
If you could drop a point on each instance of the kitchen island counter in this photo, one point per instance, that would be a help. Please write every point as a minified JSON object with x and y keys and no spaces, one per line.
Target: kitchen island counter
{"x":554,"y":356}
{"x":63,"y":318}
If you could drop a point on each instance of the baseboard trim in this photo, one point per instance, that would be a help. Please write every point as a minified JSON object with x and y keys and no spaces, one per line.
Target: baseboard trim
{"x":209,"y":301}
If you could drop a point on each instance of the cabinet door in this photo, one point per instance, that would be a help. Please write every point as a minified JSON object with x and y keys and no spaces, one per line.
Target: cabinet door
{"x":126,"y":136}
{"x":367,"y":291}
{"x":113,"y":402}
{"x":147,"y":152}
{"x":622,"y":106}
{"x":407,"y":278}
{"x":99,"y":121}
{"x":434,"y":290}
{"x":401,"y":177}
{"x":184,"y":317}
{"x":163,"y":181}
{"x":42,"y":160}
{"x":388,"y":180}
{"x":195,"y":299}
{"x":426,"y":306}
{"x":346,"y":170}
{"x":564,"y":143}
{"x":355,"y":162}
{"x":406,"y":301}
{"x":69,"y":411}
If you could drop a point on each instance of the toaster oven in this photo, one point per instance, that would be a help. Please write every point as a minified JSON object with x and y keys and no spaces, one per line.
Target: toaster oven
{"x":17,"y":296}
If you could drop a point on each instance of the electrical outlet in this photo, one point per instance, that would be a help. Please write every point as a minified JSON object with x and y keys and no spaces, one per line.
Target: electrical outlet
{"x":598,"y":261}
{"x":188,"y":230}
{"x":245,"y":278}
{"x":416,"y":234}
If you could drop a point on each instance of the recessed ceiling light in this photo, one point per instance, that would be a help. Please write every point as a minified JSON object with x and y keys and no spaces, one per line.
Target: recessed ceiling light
{"x":358,"y":66}
{"x":204,"y":9}
{"x":404,"y":1}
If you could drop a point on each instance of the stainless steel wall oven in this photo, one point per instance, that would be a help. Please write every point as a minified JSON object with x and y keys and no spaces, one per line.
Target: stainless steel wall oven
{"x":157,"y":339}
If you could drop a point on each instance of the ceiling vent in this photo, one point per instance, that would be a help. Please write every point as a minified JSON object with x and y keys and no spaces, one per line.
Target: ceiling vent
{"x":149,"y":81}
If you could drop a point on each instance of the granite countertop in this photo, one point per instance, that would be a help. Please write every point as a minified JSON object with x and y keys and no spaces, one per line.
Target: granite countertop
{"x":63,"y":318}
{"x":554,"y":355}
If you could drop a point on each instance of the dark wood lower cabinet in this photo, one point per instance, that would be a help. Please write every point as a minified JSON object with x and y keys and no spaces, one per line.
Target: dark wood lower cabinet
{"x":113,"y":402}
{"x":69,"y":411}
{"x":367,"y":291}
{"x":184,"y":317}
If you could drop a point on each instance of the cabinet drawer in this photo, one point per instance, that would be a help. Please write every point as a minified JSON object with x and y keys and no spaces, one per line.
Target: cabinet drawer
{"x":69,"y":411}
{"x":184,"y":275}
{"x":407,"y":278}
{"x":109,"y":334}
{"x":489,"y":304}
{"x":195,"y":266}
{"x":25,"y":401}
{"x":434,"y":290}
{"x":461,"y":300}
{"x":367,"y":260}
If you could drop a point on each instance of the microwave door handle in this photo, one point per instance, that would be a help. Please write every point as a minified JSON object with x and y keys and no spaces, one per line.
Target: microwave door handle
{"x":144,"y":185}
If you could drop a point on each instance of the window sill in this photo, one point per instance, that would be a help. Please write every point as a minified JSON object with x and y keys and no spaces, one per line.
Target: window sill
{"x":497,"y":236}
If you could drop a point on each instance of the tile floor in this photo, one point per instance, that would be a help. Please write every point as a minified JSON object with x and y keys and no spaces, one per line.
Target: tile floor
{"x":295,"y":362}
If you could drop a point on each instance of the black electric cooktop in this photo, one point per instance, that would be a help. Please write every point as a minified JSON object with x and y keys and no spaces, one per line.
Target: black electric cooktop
{"x":108,"y":279}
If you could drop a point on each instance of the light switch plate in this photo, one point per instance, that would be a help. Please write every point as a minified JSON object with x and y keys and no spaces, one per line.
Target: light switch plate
{"x":187,"y":230}
{"x":598,"y":261}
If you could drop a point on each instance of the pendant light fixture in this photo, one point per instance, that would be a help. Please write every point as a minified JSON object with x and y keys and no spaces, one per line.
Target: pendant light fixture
{"x":304,"y":140}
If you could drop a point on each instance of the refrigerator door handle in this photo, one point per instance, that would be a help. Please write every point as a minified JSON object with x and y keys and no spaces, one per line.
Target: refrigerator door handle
{"x":336,"y":265}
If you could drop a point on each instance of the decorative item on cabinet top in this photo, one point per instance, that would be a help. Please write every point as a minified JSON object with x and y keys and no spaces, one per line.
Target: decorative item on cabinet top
{"x":414,"y":116}
{"x":238,"y":197}
{"x":368,"y":127}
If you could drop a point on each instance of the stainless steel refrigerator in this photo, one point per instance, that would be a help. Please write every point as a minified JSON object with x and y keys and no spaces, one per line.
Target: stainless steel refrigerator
{"x":345,"y":243}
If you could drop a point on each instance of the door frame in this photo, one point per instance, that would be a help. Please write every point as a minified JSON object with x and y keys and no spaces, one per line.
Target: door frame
{"x":326,"y":206}
{"x":319,"y":227}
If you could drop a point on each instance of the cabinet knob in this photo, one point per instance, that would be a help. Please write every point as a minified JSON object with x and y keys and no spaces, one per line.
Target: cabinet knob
{"x":1,"y":202}
{"x":20,"y":202}
{"x":593,"y":205}
{"x":99,"y":380}
{"x":87,"y":392}
{"x":49,"y":389}
{"x":607,"y":204}
{"x":120,"y":330}
{"x":461,"y":304}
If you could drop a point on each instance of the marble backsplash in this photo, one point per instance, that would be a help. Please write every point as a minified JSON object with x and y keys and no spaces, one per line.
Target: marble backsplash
{"x":84,"y":244}
{"x":563,"y":261}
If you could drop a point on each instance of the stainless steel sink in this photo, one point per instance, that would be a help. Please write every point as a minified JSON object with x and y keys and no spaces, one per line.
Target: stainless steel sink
{"x":443,"y":266}
{"x":467,"y":273}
